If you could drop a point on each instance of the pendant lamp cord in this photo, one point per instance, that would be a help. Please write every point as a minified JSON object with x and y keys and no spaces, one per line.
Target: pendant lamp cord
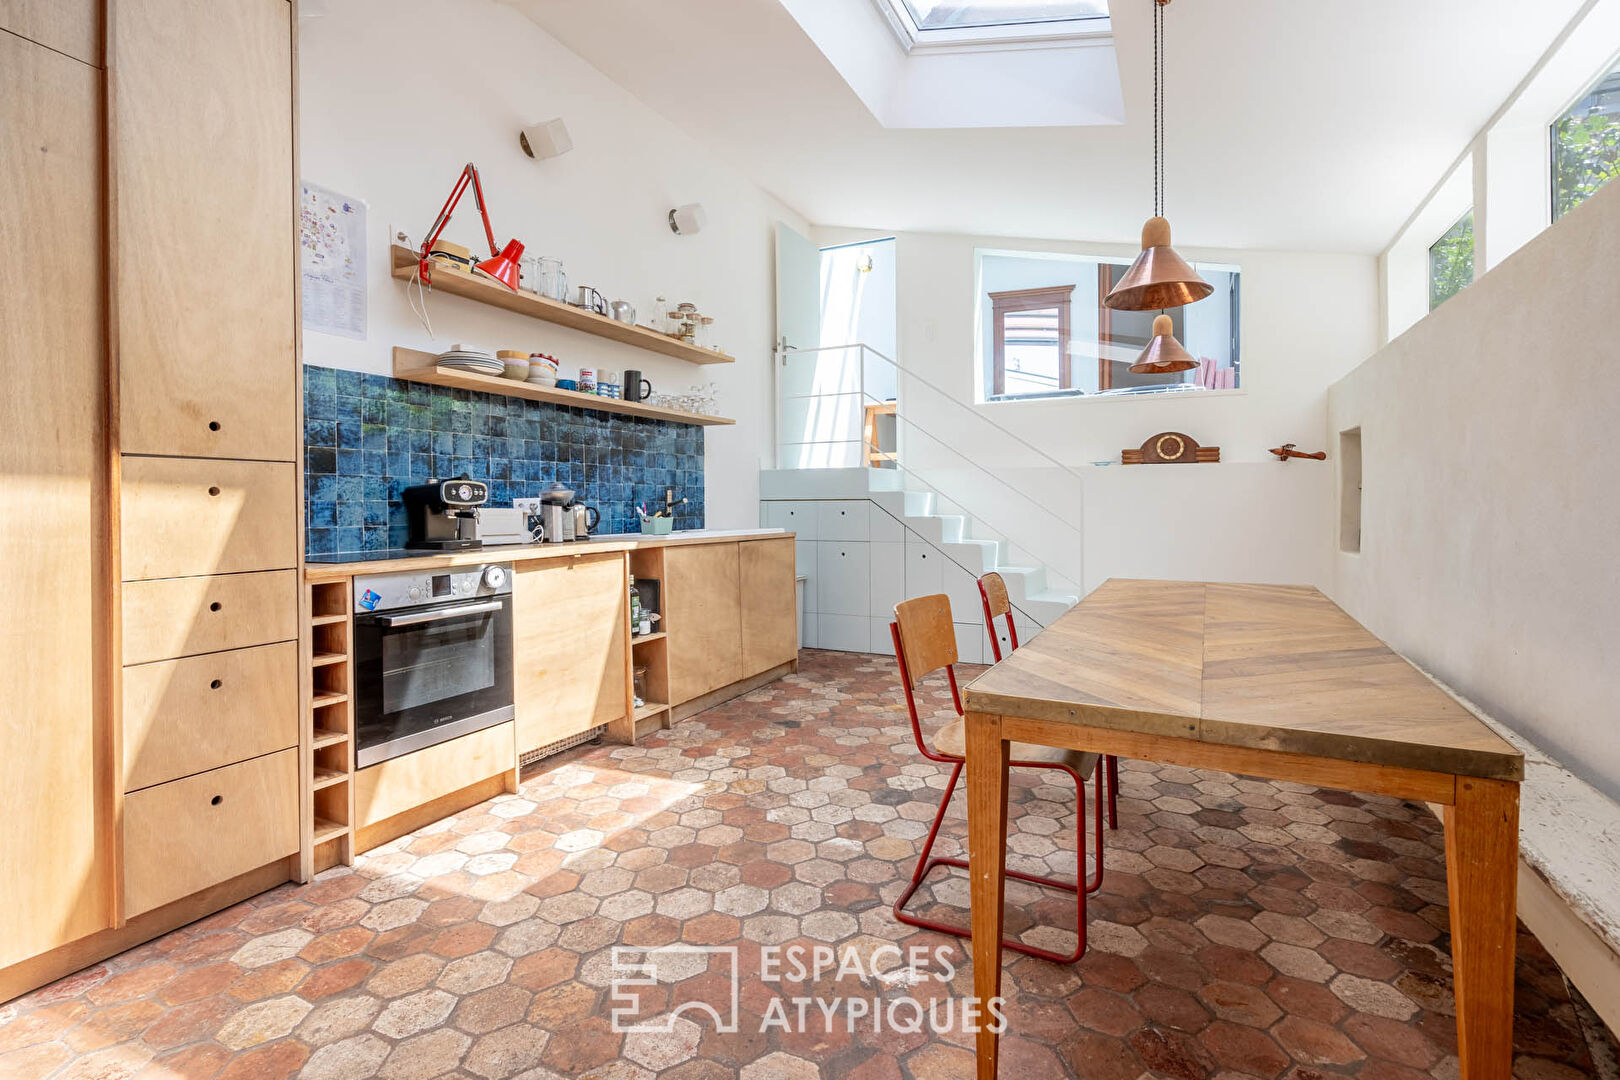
{"x":1158,"y":107}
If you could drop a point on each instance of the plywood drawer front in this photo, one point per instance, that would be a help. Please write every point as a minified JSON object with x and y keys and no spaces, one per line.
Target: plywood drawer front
{"x":184,"y":616}
{"x":189,"y":834}
{"x":191,"y":516}
{"x":404,"y":783}
{"x":188,"y":716}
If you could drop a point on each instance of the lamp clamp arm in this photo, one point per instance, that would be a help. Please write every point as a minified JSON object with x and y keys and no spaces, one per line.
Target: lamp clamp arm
{"x":469,"y":175}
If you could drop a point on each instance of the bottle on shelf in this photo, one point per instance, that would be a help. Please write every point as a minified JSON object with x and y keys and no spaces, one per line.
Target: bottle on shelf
{"x":635,"y":608}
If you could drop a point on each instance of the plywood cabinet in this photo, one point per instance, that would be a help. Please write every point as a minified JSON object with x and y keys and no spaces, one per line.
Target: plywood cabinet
{"x":206,"y":228}
{"x":146,"y":189}
{"x":53,"y":540}
{"x":703,"y":616}
{"x":570,"y":631}
{"x":770,"y":630}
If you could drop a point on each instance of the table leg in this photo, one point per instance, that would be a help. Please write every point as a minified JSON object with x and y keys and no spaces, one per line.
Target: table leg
{"x":1482,"y":857}
{"x":987,"y":858}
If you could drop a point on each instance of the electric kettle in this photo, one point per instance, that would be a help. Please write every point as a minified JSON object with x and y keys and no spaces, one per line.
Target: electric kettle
{"x":585,"y":519}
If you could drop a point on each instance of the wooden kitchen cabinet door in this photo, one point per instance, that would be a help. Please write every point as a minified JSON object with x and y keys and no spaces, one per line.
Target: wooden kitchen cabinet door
{"x":206,"y":269}
{"x":703,"y":618}
{"x":569,"y":626}
{"x":770,"y":624}
{"x":55,"y":850}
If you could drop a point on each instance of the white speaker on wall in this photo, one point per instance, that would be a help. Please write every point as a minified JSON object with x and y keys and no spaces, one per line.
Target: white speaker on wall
{"x":546,"y":140}
{"x":688,"y":219}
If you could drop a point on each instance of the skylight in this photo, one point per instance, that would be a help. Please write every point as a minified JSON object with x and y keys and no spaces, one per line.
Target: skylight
{"x":957,"y":24}
{"x":964,"y":14}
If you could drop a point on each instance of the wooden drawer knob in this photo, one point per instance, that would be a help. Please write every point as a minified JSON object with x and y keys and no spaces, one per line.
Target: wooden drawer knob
{"x":215,"y":606}
{"x":214,"y":491}
{"x":213,"y":425}
{"x":216,"y":800}
{"x":216,"y":684}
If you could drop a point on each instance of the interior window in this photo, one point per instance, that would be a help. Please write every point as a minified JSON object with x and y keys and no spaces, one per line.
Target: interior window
{"x":1586,"y":145}
{"x":1045,"y":330}
{"x":1451,"y":261}
{"x":1031,"y":340}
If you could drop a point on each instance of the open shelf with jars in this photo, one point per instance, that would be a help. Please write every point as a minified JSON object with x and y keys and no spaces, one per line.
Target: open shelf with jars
{"x":485,"y":290}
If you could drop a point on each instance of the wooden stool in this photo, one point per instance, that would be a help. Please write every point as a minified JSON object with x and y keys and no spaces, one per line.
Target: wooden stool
{"x":993,"y":595}
{"x":924,"y":642}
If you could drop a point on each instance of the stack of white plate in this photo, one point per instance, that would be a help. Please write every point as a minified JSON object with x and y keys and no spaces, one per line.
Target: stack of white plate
{"x":466,"y":358}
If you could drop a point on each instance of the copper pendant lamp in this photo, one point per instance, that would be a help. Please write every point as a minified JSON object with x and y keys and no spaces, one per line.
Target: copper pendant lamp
{"x":1164,"y":355}
{"x":1159,"y":278}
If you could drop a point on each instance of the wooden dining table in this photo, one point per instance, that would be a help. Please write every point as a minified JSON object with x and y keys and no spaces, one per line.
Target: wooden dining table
{"x":1269,"y":681}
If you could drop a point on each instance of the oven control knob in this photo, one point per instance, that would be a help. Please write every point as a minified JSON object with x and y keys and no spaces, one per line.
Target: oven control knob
{"x":495,"y":577}
{"x":416,"y":594}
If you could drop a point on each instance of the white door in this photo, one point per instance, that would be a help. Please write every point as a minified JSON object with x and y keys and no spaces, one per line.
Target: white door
{"x":818,"y":422}
{"x":798,"y":291}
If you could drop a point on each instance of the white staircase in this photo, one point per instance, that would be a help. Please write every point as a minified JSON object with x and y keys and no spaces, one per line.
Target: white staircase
{"x":875,"y":536}
{"x":953,"y":534}
{"x":856,"y":575}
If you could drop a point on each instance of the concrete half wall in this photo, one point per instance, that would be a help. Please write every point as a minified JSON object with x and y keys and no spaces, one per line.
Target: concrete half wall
{"x":1490,"y":491}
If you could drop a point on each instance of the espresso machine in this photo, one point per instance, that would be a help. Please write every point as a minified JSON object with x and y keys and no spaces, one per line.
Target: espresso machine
{"x":442,"y":513}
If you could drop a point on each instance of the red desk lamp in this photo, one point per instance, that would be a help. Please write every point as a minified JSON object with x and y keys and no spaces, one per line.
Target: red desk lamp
{"x":503,"y":263}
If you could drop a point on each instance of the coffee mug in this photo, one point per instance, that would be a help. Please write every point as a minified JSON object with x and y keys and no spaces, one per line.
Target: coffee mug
{"x":635,"y":387}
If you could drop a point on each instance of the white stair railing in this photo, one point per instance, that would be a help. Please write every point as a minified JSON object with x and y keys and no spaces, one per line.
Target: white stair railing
{"x":822,"y":411}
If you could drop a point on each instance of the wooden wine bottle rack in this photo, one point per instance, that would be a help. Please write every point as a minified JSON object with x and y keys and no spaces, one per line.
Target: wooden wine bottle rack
{"x":329,"y":785}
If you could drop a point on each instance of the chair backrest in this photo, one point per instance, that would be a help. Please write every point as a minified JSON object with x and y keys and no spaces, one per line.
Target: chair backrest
{"x":993,"y":594}
{"x":924,"y":642}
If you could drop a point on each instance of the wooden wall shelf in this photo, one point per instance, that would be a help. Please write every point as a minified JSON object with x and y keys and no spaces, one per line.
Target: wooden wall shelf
{"x":486,"y":291}
{"x":413,"y":365}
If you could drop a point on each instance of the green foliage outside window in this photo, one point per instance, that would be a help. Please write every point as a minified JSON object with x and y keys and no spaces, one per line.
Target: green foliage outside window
{"x":1451,"y":262}
{"x":1586,"y":146}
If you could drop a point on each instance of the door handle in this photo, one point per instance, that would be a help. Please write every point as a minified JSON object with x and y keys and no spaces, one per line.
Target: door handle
{"x":439,"y":615}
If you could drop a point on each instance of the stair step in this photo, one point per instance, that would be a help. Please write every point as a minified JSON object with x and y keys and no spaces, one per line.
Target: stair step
{"x":884,"y":480}
{"x":1046,"y":607}
{"x":919,"y":503}
{"x":975,"y":556}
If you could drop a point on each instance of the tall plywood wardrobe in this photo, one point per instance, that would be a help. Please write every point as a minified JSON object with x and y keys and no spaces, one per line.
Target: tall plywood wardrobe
{"x":149,"y":466}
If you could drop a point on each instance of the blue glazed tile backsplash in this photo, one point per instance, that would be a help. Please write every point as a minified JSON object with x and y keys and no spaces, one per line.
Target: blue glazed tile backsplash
{"x":368,"y":436}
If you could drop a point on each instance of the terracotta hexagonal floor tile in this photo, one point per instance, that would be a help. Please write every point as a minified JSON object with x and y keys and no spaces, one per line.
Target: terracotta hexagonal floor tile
{"x":1245,"y":928}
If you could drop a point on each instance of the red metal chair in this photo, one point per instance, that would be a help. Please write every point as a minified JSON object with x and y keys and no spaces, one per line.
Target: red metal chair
{"x":993,"y":596}
{"x":924,"y":642}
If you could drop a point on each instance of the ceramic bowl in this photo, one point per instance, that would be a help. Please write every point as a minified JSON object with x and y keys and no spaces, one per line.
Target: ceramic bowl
{"x":517,"y":369}
{"x":567,"y":384}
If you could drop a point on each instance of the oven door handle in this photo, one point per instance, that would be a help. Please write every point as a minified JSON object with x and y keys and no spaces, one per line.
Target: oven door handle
{"x":442,"y":613}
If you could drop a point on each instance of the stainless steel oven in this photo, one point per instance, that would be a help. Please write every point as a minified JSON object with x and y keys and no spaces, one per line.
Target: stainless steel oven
{"x":433,"y":658}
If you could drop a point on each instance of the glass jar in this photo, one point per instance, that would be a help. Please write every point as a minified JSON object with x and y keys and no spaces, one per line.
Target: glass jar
{"x":550,"y":281}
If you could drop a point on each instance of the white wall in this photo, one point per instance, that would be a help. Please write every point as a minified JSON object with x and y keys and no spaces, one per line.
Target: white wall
{"x":1488,"y":509}
{"x":1306,"y":320}
{"x":395,"y":96}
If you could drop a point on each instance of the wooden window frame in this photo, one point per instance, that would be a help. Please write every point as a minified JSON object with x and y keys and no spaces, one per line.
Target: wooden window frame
{"x":1002,"y":303}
